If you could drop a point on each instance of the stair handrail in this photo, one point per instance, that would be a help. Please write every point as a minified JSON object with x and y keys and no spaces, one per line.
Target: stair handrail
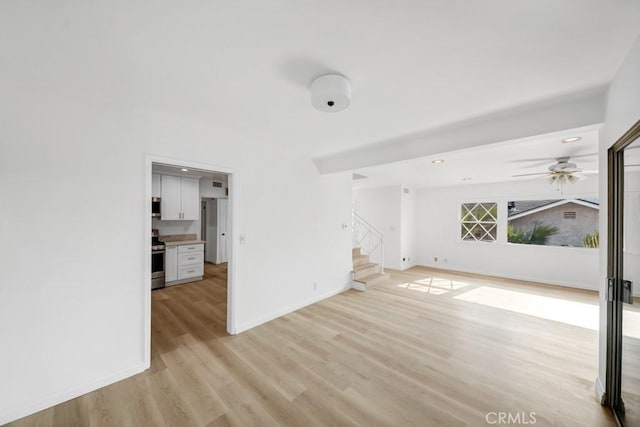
{"x":367,"y":237}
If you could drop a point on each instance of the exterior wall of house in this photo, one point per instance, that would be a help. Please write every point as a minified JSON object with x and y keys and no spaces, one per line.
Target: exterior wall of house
{"x":571,"y":232}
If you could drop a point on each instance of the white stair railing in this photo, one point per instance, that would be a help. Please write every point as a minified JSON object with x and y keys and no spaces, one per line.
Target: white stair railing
{"x":368,"y":239}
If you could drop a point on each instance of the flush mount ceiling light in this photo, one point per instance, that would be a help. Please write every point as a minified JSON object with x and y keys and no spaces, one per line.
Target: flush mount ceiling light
{"x":466,"y":179}
{"x":331,"y":93}
{"x":184,"y":170}
{"x":572,"y":139}
{"x":436,"y":161}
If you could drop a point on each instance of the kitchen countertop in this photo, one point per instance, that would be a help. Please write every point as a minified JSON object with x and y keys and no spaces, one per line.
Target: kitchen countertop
{"x":183,"y":242}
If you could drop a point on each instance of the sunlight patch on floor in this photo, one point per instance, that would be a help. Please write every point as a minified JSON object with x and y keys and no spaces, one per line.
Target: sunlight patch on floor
{"x":556,"y":309}
{"x":433,"y":285}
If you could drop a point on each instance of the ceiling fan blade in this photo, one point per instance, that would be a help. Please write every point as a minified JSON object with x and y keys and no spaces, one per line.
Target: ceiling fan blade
{"x":545,"y":160}
{"x":532,"y":165}
{"x":590,"y":171}
{"x":542,"y":159}
{"x":530,"y":174}
{"x":579,"y":156}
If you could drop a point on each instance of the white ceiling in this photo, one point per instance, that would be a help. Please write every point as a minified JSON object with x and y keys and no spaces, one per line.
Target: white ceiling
{"x":246,"y":65}
{"x":490,"y":163}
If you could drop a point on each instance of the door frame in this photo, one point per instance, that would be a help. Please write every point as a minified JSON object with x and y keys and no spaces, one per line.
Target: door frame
{"x":232,"y":272}
{"x":615,"y":229}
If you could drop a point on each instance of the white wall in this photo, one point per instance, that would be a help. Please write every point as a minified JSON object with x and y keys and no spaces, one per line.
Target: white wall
{"x":381,"y":207}
{"x":177,"y":227}
{"x":72,"y":278}
{"x":409,"y":228}
{"x":208,"y":190}
{"x":622,"y":111}
{"x":438,"y":212}
{"x":392,"y":211}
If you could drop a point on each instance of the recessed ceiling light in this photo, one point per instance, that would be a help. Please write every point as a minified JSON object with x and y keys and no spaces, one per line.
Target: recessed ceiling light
{"x":184,"y":170}
{"x":572,"y":139}
{"x":466,"y":179}
{"x":436,"y":161}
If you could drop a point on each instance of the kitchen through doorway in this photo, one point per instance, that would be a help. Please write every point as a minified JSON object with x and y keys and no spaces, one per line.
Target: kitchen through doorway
{"x":190,"y":225}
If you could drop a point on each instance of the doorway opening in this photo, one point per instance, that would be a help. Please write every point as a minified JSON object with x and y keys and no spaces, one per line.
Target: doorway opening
{"x":190,"y":270}
{"x":214,"y":229}
{"x":623,"y":297}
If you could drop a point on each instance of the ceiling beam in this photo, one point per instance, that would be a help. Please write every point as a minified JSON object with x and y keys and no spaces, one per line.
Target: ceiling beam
{"x":585,"y":108}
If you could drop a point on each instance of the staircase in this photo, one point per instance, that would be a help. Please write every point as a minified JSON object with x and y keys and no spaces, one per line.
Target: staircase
{"x":365,"y":273}
{"x":368,"y":243}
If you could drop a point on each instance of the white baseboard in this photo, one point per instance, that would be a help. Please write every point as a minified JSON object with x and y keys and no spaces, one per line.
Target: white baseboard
{"x":599,"y":389}
{"x":252,"y":324}
{"x":453,"y":269}
{"x":21,"y":411}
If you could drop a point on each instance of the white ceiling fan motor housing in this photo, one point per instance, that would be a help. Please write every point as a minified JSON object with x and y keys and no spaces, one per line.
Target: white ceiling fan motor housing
{"x":331,"y":93}
{"x":563,"y":165}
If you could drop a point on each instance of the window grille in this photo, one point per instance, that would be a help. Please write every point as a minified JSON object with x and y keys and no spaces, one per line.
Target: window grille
{"x":479,"y":222}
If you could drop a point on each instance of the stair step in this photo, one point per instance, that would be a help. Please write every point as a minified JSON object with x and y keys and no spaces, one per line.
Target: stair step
{"x":365,"y":270}
{"x":360,"y":260}
{"x":355,"y":251}
{"x":370,"y":281}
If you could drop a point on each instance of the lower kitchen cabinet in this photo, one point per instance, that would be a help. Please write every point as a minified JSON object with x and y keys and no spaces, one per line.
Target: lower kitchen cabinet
{"x":184,"y":263}
{"x":171,"y":264}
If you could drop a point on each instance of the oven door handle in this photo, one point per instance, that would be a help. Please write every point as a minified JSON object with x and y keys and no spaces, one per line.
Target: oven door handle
{"x":161,"y":251}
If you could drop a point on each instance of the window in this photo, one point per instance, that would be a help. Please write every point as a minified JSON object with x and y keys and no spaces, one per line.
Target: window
{"x":479,"y":222}
{"x":556,"y":222}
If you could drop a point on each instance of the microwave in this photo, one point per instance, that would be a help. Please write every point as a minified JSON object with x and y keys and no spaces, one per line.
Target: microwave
{"x":155,"y":207}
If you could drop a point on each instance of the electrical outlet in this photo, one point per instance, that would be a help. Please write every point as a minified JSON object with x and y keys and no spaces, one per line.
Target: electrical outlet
{"x":445,"y":260}
{"x":435,"y":259}
{"x":315,"y":286}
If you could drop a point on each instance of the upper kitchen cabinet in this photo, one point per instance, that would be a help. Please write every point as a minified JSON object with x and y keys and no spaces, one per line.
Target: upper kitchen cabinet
{"x":190,"y":199}
{"x":180,"y":198}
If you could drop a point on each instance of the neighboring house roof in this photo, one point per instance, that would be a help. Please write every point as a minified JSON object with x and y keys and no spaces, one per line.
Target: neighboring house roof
{"x":542,"y":205}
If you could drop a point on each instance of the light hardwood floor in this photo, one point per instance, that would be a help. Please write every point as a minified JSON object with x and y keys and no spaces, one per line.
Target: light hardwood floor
{"x":427,"y":348}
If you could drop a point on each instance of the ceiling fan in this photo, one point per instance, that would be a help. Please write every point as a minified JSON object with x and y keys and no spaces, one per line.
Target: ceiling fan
{"x":562,"y":172}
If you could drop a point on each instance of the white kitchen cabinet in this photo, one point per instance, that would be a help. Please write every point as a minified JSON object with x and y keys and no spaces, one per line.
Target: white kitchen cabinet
{"x":171,"y":264}
{"x":191,"y":258}
{"x":155,"y":185}
{"x":189,"y":271}
{"x":185,"y":264}
{"x":180,"y":198}
{"x":190,"y":199}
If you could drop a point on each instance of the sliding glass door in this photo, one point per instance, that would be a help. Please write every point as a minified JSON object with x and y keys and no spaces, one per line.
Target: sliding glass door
{"x":623,"y":293}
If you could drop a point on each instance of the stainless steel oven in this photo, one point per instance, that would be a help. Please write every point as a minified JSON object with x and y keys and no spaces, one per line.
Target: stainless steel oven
{"x":155,"y":207}
{"x":157,"y":265}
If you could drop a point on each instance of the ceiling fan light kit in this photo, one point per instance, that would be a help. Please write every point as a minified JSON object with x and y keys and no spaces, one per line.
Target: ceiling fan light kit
{"x":563,"y":178}
{"x":331,"y":93}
